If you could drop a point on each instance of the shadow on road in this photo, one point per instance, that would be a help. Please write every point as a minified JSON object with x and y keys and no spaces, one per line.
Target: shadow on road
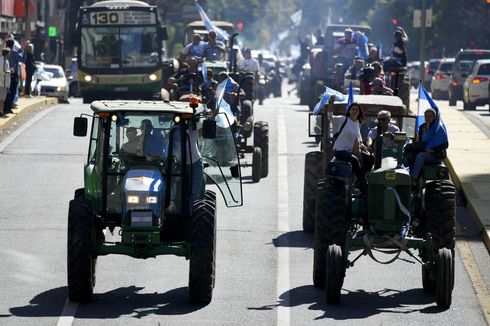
{"x":358,"y":304}
{"x":125,"y":301}
{"x":294,"y":239}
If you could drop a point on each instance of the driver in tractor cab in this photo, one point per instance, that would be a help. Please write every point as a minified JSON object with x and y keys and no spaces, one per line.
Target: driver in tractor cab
{"x":387,"y":130}
{"x":213,"y":50}
{"x":133,"y":145}
{"x":152,"y":140}
{"x":345,"y":49}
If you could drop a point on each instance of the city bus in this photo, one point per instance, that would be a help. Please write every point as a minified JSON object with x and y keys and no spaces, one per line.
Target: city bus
{"x":120,"y":50}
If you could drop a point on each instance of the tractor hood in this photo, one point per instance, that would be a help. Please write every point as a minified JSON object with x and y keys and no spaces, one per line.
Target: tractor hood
{"x":142,"y":198}
{"x":389,"y":174}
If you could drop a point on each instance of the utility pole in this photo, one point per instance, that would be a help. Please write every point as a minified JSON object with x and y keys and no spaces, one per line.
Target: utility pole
{"x":27,"y":29}
{"x":47,"y":58}
{"x":422,"y":42}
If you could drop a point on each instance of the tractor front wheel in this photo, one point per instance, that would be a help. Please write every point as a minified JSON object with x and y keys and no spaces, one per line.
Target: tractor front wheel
{"x":335,"y":274}
{"x":202,"y":269}
{"x":256,"y":164}
{"x":428,"y":283}
{"x":261,"y":139}
{"x":445,"y":278}
{"x":313,"y":169}
{"x":81,"y":259}
{"x":440,"y":203}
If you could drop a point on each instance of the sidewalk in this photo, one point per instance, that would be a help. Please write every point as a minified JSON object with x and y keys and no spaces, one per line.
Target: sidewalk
{"x":24,"y":106}
{"x":468,"y":163}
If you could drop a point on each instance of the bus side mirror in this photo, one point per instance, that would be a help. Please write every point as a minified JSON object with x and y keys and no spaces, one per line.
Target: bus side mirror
{"x":80,"y":126}
{"x":209,"y":129}
{"x":163,"y":33}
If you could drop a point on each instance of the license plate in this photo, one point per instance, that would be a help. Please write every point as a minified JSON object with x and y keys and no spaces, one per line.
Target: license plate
{"x":121,"y":89}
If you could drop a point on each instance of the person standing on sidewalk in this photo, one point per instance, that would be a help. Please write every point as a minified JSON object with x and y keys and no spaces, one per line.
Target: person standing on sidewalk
{"x":4,"y":78}
{"x":16,"y":57}
{"x":30,"y":69}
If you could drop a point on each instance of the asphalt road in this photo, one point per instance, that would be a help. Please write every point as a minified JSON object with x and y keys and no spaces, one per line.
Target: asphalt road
{"x":264,"y":260}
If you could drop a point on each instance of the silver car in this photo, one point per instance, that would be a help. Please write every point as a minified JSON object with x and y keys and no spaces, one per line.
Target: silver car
{"x":441,"y":79}
{"x":54,"y":83}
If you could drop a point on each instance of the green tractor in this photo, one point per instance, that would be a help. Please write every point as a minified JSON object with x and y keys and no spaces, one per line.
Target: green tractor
{"x":394,"y":216}
{"x":145,"y":190}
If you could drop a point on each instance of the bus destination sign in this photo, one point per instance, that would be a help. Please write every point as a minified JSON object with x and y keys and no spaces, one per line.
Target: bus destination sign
{"x":119,"y":18}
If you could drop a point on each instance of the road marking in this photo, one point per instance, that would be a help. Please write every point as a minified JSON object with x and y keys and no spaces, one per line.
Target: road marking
{"x":26,"y":125}
{"x":283,"y":313}
{"x":476,"y":278}
{"x":68,"y":314}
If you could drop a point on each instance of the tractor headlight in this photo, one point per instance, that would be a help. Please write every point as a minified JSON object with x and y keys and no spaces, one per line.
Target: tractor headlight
{"x":153,"y":77}
{"x":151,"y":200}
{"x":133,"y":200}
{"x":88,"y":78}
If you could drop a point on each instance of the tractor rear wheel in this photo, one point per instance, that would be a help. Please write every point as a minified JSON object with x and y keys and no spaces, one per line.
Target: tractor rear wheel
{"x":445,"y":278}
{"x":313,"y":171}
{"x":330,"y":226}
{"x":256,"y":164}
{"x":261,"y":139}
{"x":334,"y":278}
{"x":81,"y":259}
{"x":440,"y":204}
{"x":202,"y":269}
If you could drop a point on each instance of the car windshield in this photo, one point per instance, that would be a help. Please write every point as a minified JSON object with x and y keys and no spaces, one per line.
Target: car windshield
{"x":446,"y":67}
{"x":465,"y":66}
{"x":56,"y":73}
{"x":484,"y":69}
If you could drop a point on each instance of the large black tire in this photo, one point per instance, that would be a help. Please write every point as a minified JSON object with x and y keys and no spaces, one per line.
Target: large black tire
{"x":320,"y":240}
{"x":81,"y":258}
{"x":79,"y":193}
{"x":330,"y":226}
{"x":440,"y":215}
{"x":256,"y":164}
{"x":313,"y":172}
{"x":428,"y":283}
{"x":261,"y":139}
{"x":445,"y":278}
{"x":202,"y":269}
{"x":335,"y":274}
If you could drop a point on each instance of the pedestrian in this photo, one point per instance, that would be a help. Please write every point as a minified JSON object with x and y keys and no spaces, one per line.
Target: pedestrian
{"x":30,"y":69}
{"x":4,"y":79}
{"x":15,"y":59}
{"x":347,"y":141}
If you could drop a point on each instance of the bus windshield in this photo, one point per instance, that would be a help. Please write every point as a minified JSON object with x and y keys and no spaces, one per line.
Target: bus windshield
{"x":119,"y":47}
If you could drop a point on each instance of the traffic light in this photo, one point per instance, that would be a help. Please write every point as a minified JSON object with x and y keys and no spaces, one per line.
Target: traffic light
{"x":394,"y":21}
{"x":241,"y":25}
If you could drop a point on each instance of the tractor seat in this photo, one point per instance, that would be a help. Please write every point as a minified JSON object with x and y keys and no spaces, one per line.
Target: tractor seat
{"x":339,"y":167}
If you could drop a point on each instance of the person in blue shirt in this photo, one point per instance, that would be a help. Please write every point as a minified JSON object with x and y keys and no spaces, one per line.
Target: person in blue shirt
{"x":16,"y":57}
{"x":213,"y":50}
{"x":193,"y":49}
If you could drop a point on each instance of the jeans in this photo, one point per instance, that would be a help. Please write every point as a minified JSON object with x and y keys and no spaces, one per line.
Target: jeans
{"x":420,"y":160}
{"x":354,"y":161}
{"x":194,"y":183}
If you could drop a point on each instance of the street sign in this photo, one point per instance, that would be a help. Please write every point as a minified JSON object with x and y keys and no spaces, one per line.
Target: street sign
{"x":417,"y":18}
{"x":52,"y":32}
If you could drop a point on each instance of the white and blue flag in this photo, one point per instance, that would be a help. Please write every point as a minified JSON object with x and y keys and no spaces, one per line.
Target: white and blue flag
{"x":350,"y":99}
{"x":210,"y":26}
{"x":222,"y":106}
{"x":437,"y":134}
{"x":339,"y":97}
{"x":296,"y":17}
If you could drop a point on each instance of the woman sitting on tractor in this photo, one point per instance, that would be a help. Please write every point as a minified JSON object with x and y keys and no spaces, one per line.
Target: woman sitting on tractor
{"x":346,"y":141}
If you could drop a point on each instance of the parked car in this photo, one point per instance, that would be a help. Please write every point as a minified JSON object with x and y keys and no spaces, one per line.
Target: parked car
{"x":440,"y":81}
{"x":414,"y":72}
{"x":476,"y":86}
{"x":463,"y":65}
{"x":55,"y":84}
{"x":430,"y":71}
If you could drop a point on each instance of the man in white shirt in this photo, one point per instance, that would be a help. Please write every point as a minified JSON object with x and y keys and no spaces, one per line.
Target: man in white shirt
{"x":248,"y":63}
{"x":388,"y":131}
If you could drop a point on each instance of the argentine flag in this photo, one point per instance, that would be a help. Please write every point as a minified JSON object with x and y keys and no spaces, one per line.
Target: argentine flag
{"x":221,"y":34}
{"x":222,"y":106}
{"x":350,"y":99}
{"x":437,"y":134}
{"x":339,"y":97}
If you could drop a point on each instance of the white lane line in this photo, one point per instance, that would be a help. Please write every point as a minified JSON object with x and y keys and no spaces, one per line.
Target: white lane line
{"x":283,"y":312}
{"x":68,"y":314}
{"x":26,"y":125}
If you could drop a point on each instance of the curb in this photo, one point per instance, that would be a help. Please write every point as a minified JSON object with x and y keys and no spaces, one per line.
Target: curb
{"x":23,"y":111}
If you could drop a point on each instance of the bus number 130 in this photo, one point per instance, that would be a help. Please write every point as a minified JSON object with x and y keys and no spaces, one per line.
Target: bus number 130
{"x":105,"y":18}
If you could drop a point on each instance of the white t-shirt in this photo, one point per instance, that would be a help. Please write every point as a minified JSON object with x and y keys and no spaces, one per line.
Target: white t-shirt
{"x":248,"y":64}
{"x":348,"y":135}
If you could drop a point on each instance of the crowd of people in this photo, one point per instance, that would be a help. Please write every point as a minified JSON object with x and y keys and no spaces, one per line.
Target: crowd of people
{"x":17,"y":68}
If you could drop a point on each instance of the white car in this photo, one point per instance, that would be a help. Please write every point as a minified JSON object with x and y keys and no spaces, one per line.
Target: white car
{"x":54,"y":84}
{"x":475,"y":88}
{"x":441,"y":79}
{"x":413,"y":69}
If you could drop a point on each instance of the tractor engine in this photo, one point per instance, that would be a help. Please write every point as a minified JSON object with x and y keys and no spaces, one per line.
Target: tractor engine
{"x":142,"y":198}
{"x":389,"y":196}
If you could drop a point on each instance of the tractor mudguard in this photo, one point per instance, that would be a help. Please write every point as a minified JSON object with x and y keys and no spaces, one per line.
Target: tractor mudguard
{"x":339,"y":168}
{"x":435,"y":171}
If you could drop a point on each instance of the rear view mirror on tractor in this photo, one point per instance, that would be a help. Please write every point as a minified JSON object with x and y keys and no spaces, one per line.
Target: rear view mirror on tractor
{"x":315,"y":124}
{"x":80,"y":126}
{"x":409,"y":125}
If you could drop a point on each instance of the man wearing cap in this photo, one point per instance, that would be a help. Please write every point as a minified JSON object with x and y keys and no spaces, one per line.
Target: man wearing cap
{"x":387,"y":130}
